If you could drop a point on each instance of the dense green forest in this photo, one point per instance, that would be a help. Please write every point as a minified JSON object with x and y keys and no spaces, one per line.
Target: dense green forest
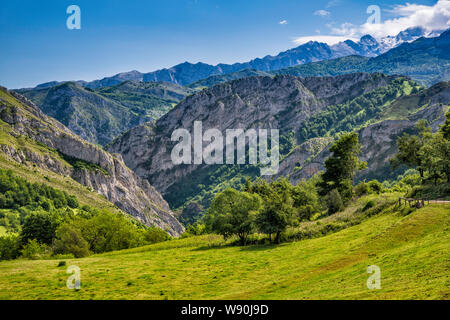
{"x":352,"y":114}
{"x":41,"y":221}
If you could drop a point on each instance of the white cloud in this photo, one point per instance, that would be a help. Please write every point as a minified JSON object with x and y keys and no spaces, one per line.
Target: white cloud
{"x":330,"y":40}
{"x":282,"y":22}
{"x":333,"y":3}
{"x":436,"y":17}
{"x":322,"y":13}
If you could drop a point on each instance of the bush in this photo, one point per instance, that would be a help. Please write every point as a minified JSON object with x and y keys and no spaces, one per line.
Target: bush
{"x":368,"y":205}
{"x":34,"y":250}
{"x":69,"y":240}
{"x":346,"y":191}
{"x":305,"y":213}
{"x":334,"y":201}
{"x":61,"y":264}
{"x":375,"y":186}
{"x":155,"y":235}
{"x":362,"y":189}
{"x":72,"y":202}
{"x":107,"y":231}
{"x":40,"y":226}
{"x":195,"y":230}
{"x":9,"y":247}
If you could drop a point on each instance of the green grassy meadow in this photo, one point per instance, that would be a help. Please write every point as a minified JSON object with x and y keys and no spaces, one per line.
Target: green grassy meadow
{"x":411,"y":250}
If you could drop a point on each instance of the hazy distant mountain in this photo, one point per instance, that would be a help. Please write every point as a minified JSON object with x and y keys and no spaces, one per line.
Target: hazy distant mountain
{"x":426,"y":60}
{"x":187,"y":73}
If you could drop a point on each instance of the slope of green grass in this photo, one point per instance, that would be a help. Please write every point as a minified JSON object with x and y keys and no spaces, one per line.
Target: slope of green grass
{"x":412,"y":252}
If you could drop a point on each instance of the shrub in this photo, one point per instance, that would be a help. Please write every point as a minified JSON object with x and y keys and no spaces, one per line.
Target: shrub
{"x":362,"y":189}
{"x":107,"y":231}
{"x":305,"y":212}
{"x":195,"y":230}
{"x":69,"y":240}
{"x":72,"y":202}
{"x":368,"y":205}
{"x":375,"y":186}
{"x":46,"y":205}
{"x":334,"y":202}
{"x":34,"y":250}
{"x":40,"y":226}
{"x":61,"y":264}
{"x":9,"y":247}
{"x":155,"y":235}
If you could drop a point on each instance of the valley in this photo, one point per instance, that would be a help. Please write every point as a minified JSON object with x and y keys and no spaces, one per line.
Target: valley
{"x":300,"y":175}
{"x":410,"y":250}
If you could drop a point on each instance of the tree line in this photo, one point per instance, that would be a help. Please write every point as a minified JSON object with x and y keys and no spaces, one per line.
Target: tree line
{"x":43,"y":221}
{"x":271,"y":207}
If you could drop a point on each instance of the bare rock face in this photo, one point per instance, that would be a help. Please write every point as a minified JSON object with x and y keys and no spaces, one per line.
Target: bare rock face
{"x":378,"y":144}
{"x":281,"y":102}
{"x":302,"y":162}
{"x":113,"y":179}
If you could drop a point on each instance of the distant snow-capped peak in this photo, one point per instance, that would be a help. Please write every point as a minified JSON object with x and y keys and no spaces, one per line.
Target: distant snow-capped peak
{"x":408,"y":35}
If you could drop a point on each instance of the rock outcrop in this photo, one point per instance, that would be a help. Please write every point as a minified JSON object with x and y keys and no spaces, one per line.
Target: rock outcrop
{"x":378,"y":140}
{"x":109,"y":176}
{"x":281,"y":102}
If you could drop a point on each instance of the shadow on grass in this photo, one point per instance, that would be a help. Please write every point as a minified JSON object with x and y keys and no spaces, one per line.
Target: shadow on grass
{"x":249,"y":247}
{"x":262,"y":247}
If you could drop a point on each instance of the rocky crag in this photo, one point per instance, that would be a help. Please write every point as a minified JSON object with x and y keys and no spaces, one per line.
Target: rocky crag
{"x":69,"y":155}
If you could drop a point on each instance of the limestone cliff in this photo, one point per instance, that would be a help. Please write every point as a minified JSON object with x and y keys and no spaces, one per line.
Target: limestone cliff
{"x":103,"y":172}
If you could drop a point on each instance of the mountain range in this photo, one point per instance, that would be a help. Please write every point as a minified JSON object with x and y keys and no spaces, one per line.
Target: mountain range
{"x":426,"y":60}
{"x":311,"y":93}
{"x":186,"y":73}
{"x":117,"y":104}
{"x":308,"y":111}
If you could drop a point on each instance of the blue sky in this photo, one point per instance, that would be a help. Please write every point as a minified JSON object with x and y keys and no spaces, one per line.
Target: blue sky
{"x":146,"y":35}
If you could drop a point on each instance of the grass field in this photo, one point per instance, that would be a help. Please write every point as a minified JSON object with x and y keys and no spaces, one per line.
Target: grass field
{"x":412,"y":252}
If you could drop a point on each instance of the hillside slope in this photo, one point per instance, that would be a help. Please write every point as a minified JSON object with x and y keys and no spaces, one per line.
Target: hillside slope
{"x":98,"y":116}
{"x":283,"y":102}
{"x":377,"y":134}
{"x":411,"y":252}
{"x":31,"y":139}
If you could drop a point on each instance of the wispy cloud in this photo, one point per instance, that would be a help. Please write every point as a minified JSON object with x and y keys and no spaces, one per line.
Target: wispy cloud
{"x":322,"y":13}
{"x":333,"y":3}
{"x":282,"y":22}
